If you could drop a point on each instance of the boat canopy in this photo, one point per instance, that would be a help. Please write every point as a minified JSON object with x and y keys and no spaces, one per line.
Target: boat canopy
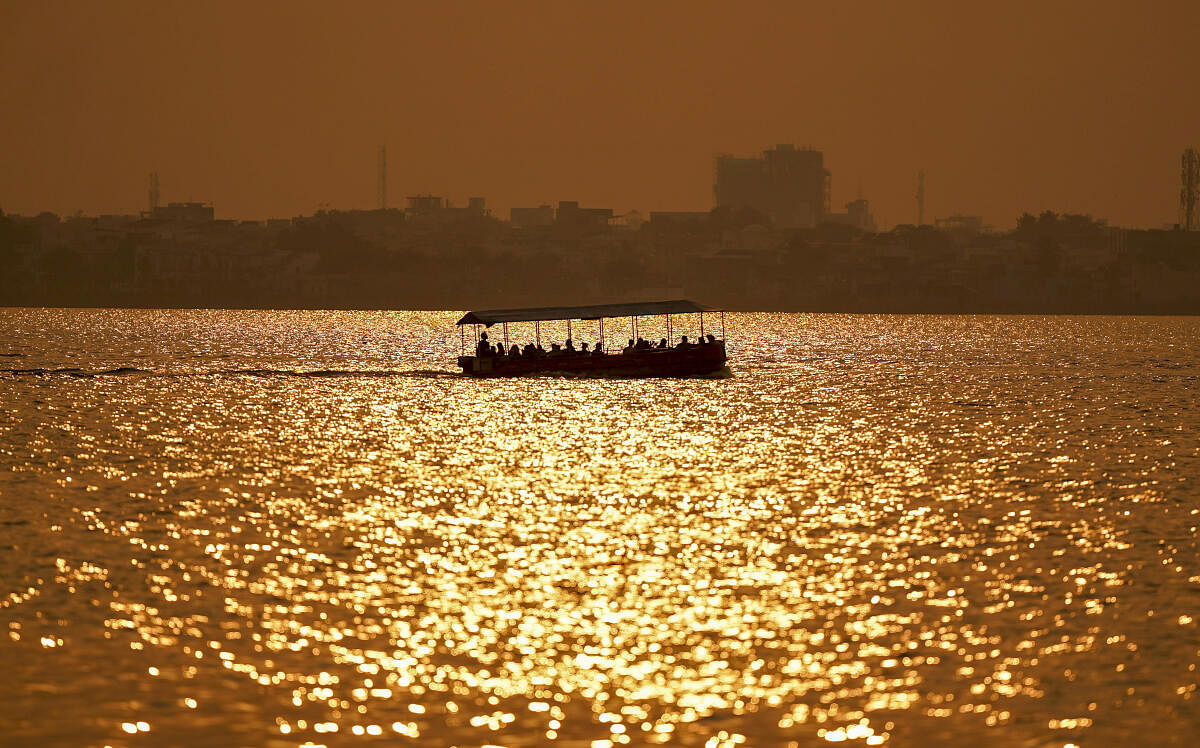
{"x":491,"y":317}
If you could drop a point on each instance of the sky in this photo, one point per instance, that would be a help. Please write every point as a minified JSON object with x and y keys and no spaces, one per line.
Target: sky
{"x":278,"y":109}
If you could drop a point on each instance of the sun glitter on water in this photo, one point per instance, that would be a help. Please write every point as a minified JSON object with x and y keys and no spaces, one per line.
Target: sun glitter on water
{"x":882,"y":528}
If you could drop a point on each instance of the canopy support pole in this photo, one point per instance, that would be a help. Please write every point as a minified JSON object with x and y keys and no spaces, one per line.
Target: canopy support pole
{"x":537,"y":327}
{"x":722,"y":326}
{"x":569,"y":330}
{"x":602,"y":333}
{"x":668,"y":330}
{"x":633,"y":326}
{"x":701,"y":327}
{"x":506,"y":337}
{"x":462,"y":340}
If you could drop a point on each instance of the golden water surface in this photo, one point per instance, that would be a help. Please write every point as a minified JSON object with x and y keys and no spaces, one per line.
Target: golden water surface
{"x":287,"y":528}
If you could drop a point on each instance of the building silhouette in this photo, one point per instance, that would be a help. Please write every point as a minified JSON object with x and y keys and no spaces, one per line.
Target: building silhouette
{"x":183,"y":212}
{"x":425,"y":204}
{"x":790,"y":185}
{"x":523,"y":218}
{"x":858,"y":215}
{"x":1189,"y":193}
{"x":572,"y":217}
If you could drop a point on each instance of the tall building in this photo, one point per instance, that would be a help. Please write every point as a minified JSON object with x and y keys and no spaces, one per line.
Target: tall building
{"x":788,"y":184}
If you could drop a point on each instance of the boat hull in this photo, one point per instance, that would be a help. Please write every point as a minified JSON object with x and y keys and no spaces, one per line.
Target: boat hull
{"x":699,"y":361}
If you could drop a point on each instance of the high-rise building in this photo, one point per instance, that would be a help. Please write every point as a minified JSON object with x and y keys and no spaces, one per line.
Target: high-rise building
{"x":1189,"y":194}
{"x":789,"y":184}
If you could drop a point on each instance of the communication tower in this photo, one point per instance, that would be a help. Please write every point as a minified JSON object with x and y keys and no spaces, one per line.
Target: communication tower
{"x":921,"y":197}
{"x":1189,"y":193}
{"x":383,"y":177}
{"x":152,"y":197}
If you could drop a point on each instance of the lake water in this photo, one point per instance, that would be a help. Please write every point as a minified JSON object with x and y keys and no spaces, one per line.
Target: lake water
{"x":273,"y":528}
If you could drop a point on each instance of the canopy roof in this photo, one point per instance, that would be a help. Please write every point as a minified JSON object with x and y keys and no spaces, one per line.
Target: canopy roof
{"x":645,"y":308}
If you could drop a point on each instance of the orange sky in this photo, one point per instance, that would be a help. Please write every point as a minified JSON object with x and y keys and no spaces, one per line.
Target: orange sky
{"x":279,"y":108}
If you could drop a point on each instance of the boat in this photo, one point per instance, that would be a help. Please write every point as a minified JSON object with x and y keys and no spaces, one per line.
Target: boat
{"x":705,"y":358}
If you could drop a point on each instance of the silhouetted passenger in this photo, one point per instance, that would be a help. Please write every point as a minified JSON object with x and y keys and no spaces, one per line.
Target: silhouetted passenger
{"x":712,"y":338}
{"x":662,"y":343}
{"x":599,"y":349}
{"x":569,"y":347}
{"x":583,"y":348}
{"x":555,"y":349}
{"x":484,"y":349}
{"x":529,"y":351}
{"x":515,"y":351}
{"x":629,"y":347}
{"x":683,"y":342}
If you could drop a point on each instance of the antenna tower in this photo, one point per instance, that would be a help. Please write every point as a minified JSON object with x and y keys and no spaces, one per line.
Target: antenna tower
{"x":152,"y":197}
{"x":921,"y":197}
{"x":1189,"y":193}
{"x":383,"y":177}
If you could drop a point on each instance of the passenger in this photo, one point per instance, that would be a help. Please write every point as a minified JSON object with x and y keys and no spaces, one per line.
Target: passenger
{"x":599,"y":349}
{"x":683,"y":342}
{"x":499,"y":350}
{"x":641,"y":344}
{"x":528,"y":351}
{"x":555,"y":349}
{"x":484,"y":349}
{"x":583,"y":349}
{"x":712,"y":339}
{"x":570,"y":347}
{"x":629,"y":347}
{"x":662,"y":343}
{"x":515,"y":351}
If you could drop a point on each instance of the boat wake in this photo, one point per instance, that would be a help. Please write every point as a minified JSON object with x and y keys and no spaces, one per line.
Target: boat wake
{"x":315,"y":374}
{"x":77,"y":373}
{"x":331,"y":373}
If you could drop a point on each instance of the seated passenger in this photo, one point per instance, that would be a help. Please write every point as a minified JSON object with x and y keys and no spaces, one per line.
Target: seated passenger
{"x":499,"y":352}
{"x":569,"y":347}
{"x":629,"y":347}
{"x":583,"y":349}
{"x":528,"y":351}
{"x":712,"y":338}
{"x":683,"y":342}
{"x":555,"y":349}
{"x":662,"y":343}
{"x":599,"y":349}
{"x":484,"y":348}
{"x":515,"y":351}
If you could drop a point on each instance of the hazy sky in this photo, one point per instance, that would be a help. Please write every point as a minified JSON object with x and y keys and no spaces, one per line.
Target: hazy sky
{"x":275,"y":109}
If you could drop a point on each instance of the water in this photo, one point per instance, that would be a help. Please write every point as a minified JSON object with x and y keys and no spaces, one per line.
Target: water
{"x":272,"y":528}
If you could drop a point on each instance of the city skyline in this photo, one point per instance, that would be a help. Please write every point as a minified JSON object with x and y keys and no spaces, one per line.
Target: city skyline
{"x":267,"y":113}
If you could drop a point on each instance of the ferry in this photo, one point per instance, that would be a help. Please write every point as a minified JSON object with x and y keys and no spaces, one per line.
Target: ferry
{"x":705,"y":357}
